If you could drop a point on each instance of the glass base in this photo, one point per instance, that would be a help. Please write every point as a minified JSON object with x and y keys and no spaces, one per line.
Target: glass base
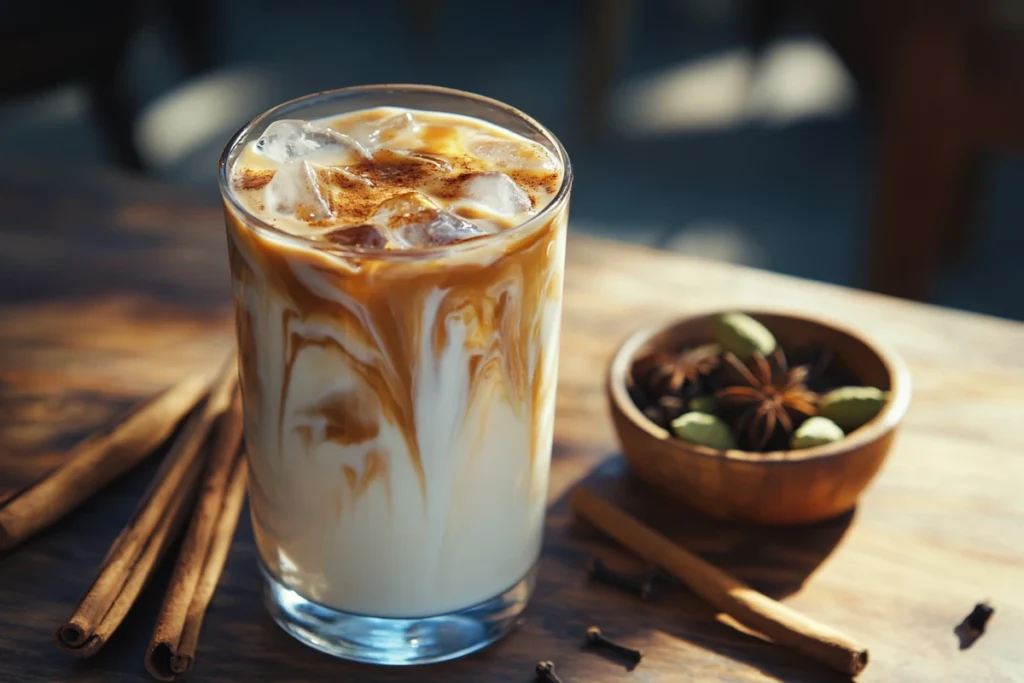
{"x":380,"y":640}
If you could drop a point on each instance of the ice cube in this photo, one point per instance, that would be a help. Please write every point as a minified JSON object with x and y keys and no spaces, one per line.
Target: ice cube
{"x":513,"y":154}
{"x":497,"y":193}
{"x":366,"y":236}
{"x":444,"y":228}
{"x":290,"y":140}
{"x":381,"y":132}
{"x":295,"y":190}
{"x":415,"y":221}
{"x":404,"y":209}
{"x":435,"y":160}
{"x":394,"y":126}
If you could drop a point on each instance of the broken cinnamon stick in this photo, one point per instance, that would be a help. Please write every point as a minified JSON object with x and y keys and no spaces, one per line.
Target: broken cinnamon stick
{"x":172,"y":648}
{"x":95,"y":462}
{"x":152,"y":528}
{"x":751,"y":608}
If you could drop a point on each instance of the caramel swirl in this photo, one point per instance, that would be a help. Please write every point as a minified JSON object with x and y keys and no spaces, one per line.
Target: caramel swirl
{"x":377,"y":304}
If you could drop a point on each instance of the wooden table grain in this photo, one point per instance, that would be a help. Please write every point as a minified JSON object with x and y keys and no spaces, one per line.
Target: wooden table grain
{"x":111,"y":288}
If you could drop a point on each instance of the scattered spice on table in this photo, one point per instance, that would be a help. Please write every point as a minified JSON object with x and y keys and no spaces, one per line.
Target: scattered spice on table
{"x":546,"y":672}
{"x":973,"y":625}
{"x":641,"y":585}
{"x":596,"y":639}
{"x":757,"y":611}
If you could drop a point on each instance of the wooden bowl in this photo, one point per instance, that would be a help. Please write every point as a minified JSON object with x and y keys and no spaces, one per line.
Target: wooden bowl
{"x":782,"y":487}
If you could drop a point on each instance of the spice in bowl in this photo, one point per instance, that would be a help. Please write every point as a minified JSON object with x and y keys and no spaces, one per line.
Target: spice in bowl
{"x":746,"y":392}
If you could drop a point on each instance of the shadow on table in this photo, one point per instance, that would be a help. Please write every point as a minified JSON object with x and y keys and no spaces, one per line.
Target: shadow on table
{"x":751,"y":650}
{"x":775,"y":560}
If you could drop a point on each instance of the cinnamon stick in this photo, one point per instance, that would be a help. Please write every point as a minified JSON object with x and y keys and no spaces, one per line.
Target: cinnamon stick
{"x":95,"y":462}
{"x":138,"y":548}
{"x":751,"y":608}
{"x":172,"y":648}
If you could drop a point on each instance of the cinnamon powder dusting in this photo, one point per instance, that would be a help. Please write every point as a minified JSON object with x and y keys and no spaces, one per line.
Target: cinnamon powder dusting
{"x":253,"y":179}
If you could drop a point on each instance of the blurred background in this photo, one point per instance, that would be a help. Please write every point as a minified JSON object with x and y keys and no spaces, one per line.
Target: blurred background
{"x":868,"y":143}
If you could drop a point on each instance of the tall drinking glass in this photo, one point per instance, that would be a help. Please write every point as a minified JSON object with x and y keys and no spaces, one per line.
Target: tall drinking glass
{"x":399,"y":401}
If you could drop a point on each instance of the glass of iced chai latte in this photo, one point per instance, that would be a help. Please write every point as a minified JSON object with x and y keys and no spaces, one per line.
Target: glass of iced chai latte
{"x":397,"y":255}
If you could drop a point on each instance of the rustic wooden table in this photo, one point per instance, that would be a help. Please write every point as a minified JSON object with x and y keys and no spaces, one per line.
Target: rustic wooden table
{"x":110,"y":288}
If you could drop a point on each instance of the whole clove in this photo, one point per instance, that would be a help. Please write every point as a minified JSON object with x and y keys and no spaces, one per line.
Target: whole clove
{"x":642,"y":586}
{"x":973,"y":625}
{"x":546,"y":672}
{"x":979,"y":616}
{"x":597,"y":639}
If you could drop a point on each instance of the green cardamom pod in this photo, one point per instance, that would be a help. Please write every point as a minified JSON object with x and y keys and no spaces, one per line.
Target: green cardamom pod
{"x":703,"y":404}
{"x":816,"y":431}
{"x":705,"y":430}
{"x":742,"y":335}
{"x":851,"y":407}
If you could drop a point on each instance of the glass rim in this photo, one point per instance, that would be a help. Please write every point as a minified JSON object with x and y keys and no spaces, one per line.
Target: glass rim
{"x":266,"y":229}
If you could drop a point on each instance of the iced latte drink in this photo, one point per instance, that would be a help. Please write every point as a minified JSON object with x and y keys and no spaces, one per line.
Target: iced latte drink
{"x":397,"y":257}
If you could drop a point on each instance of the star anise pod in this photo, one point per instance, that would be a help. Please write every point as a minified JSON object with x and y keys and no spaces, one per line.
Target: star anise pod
{"x":767,"y":396}
{"x":661,"y":383}
{"x":669,"y":372}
